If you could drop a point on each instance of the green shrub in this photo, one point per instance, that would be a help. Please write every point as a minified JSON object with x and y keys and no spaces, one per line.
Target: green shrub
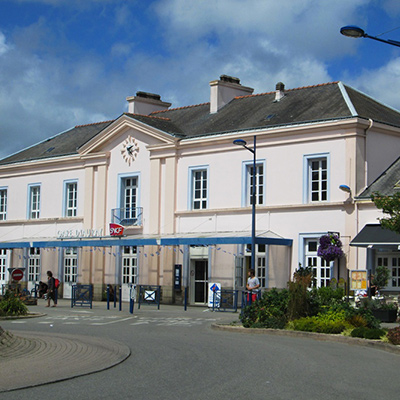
{"x":11,"y":305}
{"x":268,"y":312}
{"x":393,"y":335}
{"x":367,"y":333}
{"x":328,"y":322}
{"x":357,"y":316}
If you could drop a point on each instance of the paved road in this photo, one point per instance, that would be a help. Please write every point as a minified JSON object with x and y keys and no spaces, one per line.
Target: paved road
{"x":176,"y":355}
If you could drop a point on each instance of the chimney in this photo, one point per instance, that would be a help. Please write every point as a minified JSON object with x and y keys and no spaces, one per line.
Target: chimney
{"x":225,"y":90}
{"x":145,"y":103}
{"x":280,"y":91}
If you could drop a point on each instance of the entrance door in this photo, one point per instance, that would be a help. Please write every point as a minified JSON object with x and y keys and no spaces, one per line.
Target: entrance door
{"x":129,"y":270}
{"x":33,"y":267}
{"x":3,"y":270}
{"x":199,"y":281}
{"x":70,"y":271}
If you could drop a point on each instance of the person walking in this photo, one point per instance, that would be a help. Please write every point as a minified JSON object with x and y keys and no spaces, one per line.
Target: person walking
{"x":51,"y":291}
{"x":252,"y":286}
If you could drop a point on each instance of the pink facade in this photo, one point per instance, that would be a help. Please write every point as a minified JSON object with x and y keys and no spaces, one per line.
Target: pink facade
{"x":173,"y":190}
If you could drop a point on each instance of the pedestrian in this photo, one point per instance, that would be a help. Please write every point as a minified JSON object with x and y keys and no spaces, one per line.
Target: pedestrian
{"x":42,"y":289}
{"x":252,"y":286}
{"x":51,"y":291}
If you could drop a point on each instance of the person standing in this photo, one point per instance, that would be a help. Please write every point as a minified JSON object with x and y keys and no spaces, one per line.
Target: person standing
{"x":252,"y":286}
{"x":51,"y":290}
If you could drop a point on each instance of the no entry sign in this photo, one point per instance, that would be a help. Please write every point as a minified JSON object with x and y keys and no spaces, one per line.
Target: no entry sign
{"x":17,"y":274}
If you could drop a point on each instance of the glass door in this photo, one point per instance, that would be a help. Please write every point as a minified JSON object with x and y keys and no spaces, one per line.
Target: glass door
{"x":129,"y":270}
{"x":70,"y":271}
{"x":199,"y":281}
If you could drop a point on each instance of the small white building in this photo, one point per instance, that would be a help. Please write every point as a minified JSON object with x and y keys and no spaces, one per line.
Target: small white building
{"x":181,"y":189}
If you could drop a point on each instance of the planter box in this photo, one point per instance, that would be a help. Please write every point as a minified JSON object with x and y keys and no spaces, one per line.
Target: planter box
{"x":385,"y":315}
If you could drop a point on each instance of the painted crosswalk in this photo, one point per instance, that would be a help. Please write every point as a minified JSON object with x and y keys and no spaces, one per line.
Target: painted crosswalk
{"x":96,"y":320}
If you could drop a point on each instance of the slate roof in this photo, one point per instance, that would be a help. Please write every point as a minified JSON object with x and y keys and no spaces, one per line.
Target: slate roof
{"x":63,"y":144}
{"x":386,"y":184}
{"x":325,"y":102}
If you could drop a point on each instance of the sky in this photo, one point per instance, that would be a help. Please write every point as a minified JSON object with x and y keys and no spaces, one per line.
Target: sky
{"x":71,"y":62}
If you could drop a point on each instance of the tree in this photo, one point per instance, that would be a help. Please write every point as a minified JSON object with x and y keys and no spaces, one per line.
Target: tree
{"x":389,"y":205}
{"x":381,"y":277}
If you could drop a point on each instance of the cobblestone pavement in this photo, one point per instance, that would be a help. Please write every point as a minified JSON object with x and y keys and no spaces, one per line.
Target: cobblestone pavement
{"x":40,"y":358}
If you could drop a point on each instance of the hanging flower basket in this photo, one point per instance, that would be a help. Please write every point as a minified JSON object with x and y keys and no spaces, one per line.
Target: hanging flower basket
{"x":330,"y":247}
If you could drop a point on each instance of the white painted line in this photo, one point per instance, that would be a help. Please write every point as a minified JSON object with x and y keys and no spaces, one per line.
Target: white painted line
{"x":111,"y":322}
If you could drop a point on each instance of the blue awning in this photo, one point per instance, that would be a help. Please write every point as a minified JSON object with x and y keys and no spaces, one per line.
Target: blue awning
{"x":175,"y":240}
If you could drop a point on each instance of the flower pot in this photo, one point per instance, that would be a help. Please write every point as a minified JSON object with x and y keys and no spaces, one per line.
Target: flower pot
{"x":385,"y":315}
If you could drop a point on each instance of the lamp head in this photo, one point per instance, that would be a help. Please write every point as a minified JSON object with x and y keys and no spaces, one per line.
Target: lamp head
{"x":240,"y":142}
{"x":345,"y":188}
{"x":352,"y":31}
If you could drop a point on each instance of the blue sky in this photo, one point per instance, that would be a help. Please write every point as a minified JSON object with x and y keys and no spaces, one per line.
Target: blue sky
{"x":70,"y":62}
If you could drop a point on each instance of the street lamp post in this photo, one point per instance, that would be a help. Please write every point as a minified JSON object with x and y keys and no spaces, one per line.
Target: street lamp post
{"x":356,"y":32}
{"x":241,"y":142}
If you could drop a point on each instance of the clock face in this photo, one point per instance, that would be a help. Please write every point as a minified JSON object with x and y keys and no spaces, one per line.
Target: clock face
{"x":129,"y":149}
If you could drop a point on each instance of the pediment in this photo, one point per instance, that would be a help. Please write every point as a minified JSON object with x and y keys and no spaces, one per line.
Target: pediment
{"x":119,"y":128}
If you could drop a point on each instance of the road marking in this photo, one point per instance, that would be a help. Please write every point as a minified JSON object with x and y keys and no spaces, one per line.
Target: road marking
{"x":172,"y":321}
{"x":111,"y":322}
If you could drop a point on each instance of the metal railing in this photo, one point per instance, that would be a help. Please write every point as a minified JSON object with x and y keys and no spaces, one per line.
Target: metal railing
{"x":82,"y":296}
{"x":148,"y":294}
{"x":127,"y":216}
{"x":225,"y":300}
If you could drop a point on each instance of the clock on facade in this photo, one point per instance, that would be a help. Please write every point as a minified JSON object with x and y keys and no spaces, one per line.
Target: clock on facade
{"x":129,"y":149}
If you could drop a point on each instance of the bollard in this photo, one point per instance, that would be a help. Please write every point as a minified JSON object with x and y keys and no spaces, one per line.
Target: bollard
{"x":185,"y":299}
{"x":108,"y":297}
{"x":120,"y":298}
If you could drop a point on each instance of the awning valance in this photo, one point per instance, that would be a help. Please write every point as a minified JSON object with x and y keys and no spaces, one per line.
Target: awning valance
{"x":209,"y":239}
{"x":373,"y":235}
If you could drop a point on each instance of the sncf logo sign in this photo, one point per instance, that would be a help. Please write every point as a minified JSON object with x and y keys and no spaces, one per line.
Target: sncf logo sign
{"x":116,"y":230}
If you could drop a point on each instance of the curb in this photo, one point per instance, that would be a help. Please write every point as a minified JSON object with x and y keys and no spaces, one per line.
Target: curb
{"x":376,"y":344}
{"x":30,"y":359}
{"x":29,"y":315}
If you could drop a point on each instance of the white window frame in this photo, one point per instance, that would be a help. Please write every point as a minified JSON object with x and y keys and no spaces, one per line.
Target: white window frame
{"x":121,"y":190}
{"x":393,"y":267}
{"x":70,"y":265}
{"x":261,"y":263}
{"x":3,"y":203}
{"x":203,"y":201}
{"x":4,"y":264}
{"x":307,"y":178}
{"x":34,"y":206}
{"x":246,"y":183}
{"x":129,"y":270}
{"x":34,"y":264}
{"x":320,"y":277}
{"x":70,"y":211}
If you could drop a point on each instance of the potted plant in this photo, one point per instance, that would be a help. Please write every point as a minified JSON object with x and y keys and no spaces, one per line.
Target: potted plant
{"x":330,"y":247}
{"x":384,"y":312}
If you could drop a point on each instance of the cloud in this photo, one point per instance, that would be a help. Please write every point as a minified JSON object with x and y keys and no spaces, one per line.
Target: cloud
{"x":3,"y":45}
{"x":76,"y":62}
{"x":382,"y":84}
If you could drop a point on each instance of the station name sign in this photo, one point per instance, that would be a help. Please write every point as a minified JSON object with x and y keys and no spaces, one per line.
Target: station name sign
{"x":80,"y":233}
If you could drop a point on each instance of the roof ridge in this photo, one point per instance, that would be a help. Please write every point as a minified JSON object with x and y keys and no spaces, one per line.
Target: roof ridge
{"x":94,"y":123}
{"x":149,"y":116}
{"x":289,"y":90}
{"x":180,"y":108}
